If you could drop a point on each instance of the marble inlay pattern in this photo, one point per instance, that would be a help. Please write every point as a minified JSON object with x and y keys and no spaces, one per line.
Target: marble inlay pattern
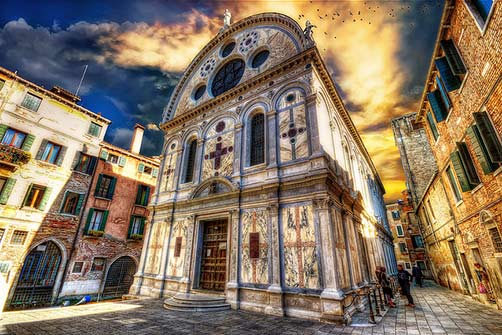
{"x":292,"y":126}
{"x":300,"y":254}
{"x":155,"y":248}
{"x":219,"y":150}
{"x":169,"y":167}
{"x":341,"y":251}
{"x":175,"y":265}
{"x":255,"y":270}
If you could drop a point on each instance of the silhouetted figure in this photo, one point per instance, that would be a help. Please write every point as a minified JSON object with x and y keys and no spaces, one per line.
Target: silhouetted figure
{"x":418,"y":275}
{"x":404,"y":280}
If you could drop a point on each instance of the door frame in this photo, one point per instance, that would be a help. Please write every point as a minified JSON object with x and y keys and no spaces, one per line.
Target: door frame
{"x":197,"y":250}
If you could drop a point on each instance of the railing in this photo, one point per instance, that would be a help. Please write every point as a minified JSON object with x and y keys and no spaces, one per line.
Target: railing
{"x":13,"y":156}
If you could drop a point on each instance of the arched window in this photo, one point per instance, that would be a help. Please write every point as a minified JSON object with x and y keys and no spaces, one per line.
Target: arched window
{"x":190,"y":161}
{"x":257,"y":140}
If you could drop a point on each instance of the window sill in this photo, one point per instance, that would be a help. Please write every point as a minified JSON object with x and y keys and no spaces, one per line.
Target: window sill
{"x":458,"y":203}
{"x":253,"y":168}
{"x":31,"y":209}
{"x":102,"y":198}
{"x":80,"y":172}
{"x":27,"y":109}
{"x":498,"y":171}
{"x":141,"y":206}
{"x":68,"y":215}
{"x":475,"y":189}
{"x":48,"y":164}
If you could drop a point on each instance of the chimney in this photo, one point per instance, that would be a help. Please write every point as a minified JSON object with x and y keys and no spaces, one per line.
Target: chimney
{"x":137,"y":138}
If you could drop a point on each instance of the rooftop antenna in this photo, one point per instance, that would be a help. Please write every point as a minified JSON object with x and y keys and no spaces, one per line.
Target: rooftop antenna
{"x":81,"y":80}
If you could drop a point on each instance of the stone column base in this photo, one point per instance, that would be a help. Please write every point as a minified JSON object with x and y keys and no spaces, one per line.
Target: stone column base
{"x":276,"y":305}
{"x":233,"y":295}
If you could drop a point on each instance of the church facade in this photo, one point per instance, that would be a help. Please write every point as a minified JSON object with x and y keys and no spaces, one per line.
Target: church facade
{"x":266,"y":193}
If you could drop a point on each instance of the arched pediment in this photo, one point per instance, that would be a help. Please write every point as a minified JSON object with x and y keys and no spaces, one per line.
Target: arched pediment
{"x":213,"y":186}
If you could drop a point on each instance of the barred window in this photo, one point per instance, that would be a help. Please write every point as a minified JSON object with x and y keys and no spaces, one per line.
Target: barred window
{"x":257,"y":140}
{"x":190,"y":163}
{"x":31,"y":102}
{"x":496,"y":239}
{"x":18,"y":237}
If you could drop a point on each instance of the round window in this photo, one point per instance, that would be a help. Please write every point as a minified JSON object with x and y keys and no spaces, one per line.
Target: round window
{"x":227,"y":49}
{"x":260,"y":58}
{"x":227,"y":77}
{"x":199,"y":92}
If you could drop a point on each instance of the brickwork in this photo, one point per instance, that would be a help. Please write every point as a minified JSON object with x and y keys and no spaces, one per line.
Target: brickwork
{"x":464,"y":249}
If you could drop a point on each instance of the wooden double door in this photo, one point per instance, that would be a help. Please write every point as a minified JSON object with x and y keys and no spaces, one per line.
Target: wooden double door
{"x":214,"y":255}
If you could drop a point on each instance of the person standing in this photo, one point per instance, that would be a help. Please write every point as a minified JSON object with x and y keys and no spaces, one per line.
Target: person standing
{"x":404,"y":280}
{"x":384,"y":282}
{"x":417,"y":274}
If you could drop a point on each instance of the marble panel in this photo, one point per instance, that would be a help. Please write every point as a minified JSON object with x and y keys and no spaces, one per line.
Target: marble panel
{"x":255,"y":270}
{"x":176,"y":262}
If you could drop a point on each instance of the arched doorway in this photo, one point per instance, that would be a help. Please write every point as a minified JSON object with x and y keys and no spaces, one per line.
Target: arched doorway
{"x":38,"y":276}
{"x":119,"y":277}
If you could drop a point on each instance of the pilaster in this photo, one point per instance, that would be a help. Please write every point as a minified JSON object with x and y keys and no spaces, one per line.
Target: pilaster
{"x":276,"y":296}
{"x":233,"y":273}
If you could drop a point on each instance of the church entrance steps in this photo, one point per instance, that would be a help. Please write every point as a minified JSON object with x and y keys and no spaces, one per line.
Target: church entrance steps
{"x":187,"y":302}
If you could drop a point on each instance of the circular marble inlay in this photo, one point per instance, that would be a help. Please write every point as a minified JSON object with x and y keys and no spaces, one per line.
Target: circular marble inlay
{"x":249,"y":41}
{"x":230,"y":149}
{"x":219,"y":139}
{"x":290,"y":97}
{"x":292,"y":132}
{"x":220,"y":126}
{"x":207,"y":67}
{"x":206,"y":157}
{"x":173,"y":146}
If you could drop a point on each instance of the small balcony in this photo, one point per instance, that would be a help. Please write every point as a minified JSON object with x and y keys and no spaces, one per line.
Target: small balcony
{"x":11,"y":157}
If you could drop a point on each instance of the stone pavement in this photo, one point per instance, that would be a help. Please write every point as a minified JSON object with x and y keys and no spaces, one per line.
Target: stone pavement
{"x":438,"y":311}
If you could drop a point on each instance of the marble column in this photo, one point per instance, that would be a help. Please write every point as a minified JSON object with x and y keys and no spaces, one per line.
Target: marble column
{"x":238,"y":152}
{"x":189,"y":252}
{"x":276,"y":304}
{"x":233,"y":273}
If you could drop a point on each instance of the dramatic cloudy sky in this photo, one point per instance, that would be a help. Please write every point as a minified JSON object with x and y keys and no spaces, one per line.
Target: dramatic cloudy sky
{"x":378,"y":53}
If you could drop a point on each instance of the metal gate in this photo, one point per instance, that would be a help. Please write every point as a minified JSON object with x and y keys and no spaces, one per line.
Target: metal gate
{"x":38,"y":275}
{"x":119,"y":278}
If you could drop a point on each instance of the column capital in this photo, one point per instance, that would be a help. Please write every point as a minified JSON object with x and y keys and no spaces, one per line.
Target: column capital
{"x":323,"y":203}
{"x":312,"y":98}
{"x":271,"y":113}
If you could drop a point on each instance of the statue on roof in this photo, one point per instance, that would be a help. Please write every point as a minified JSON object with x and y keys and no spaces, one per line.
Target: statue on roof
{"x":227,"y":17}
{"x":308,"y":30}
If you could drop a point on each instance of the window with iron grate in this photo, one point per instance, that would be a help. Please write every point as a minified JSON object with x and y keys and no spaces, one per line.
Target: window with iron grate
{"x":190,"y":163}
{"x":257,"y":140}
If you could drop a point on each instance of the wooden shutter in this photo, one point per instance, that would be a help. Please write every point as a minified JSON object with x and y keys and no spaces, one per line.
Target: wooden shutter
{"x":7,"y":190}
{"x":129,"y":231}
{"x":102,"y":224}
{"x":3,"y":129}
{"x":465,"y":156}
{"x":437,"y":105}
{"x":111,"y":189}
{"x":452,"y":57}
{"x":155,"y":172}
{"x":100,"y":180}
{"x":28,"y":142}
{"x":479,"y":150}
{"x":451,"y":81}
{"x":122,"y":161}
{"x":432,"y":124}
{"x":41,"y":149}
{"x":460,"y":172}
{"x":489,"y":136}
{"x":142,"y":226}
{"x":61,"y":155}
{"x":141,"y":167}
{"x":92,"y":165}
{"x":76,"y":160}
{"x":80,"y":202}
{"x":103,"y":155}
{"x":138,"y":195}
{"x":147,"y":195}
{"x":45,"y":198}
{"x":88,"y":221}
{"x":444,"y":94}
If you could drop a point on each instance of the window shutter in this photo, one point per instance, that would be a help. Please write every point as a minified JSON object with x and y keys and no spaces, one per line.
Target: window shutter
{"x":444,"y":94}
{"x":480,"y":151}
{"x":460,"y":172}
{"x":61,"y":155}
{"x":102,"y":224}
{"x":155,"y":172}
{"x":45,"y":198}
{"x":41,"y":149}
{"x":131,"y":221}
{"x":452,"y":57}
{"x":92,"y":165}
{"x":437,"y":105}
{"x":141,"y":167}
{"x":142,"y":227}
{"x":489,"y":137}
{"x":76,"y":160}
{"x":100,"y":180}
{"x":138,"y":195}
{"x":122,"y":161}
{"x":7,"y":190}
{"x":80,"y":202}
{"x":432,"y":124}
{"x":27,"y":194}
{"x":111,"y":189}
{"x":28,"y":142}
{"x":450,"y":80}
{"x":466,"y":159}
{"x":88,"y":221}
{"x":103,"y":155}
{"x":3,"y":129}
{"x":147,"y":196}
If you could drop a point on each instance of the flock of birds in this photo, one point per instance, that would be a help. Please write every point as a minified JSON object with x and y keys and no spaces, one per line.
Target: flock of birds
{"x":370,"y":8}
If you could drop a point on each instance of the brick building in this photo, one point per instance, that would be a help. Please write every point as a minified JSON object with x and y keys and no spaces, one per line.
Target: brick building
{"x":111,"y":235}
{"x":49,"y":147}
{"x":461,"y":108}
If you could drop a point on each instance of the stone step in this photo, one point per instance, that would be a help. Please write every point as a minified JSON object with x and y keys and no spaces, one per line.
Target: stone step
{"x":187,"y":302}
{"x":197,"y":299}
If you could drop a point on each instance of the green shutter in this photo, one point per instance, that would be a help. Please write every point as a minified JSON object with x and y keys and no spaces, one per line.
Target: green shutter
{"x":111,"y":189}
{"x":460,"y":172}
{"x":103,"y":154}
{"x":3,"y":129}
{"x":129,"y":232}
{"x":147,"y":196}
{"x":102,"y":224}
{"x":100,"y":180}
{"x":451,"y":81}
{"x":61,"y":154}
{"x":45,"y":198}
{"x":155,"y":172}
{"x":41,"y":149}
{"x":141,"y":167}
{"x":7,"y":190}
{"x":479,"y":150}
{"x":453,"y":57}
{"x":138,"y":195}
{"x":28,"y":142}
{"x":142,"y":227}
{"x":27,"y":194}
{"x":432,"y":124}
{"x":80,"y":202}
{"x":437,"y":105}
{"x":88,"y":221}
{"x":465,"y":157}
{"x":444,"y":94}
{"x":92,"y":165}
{"x":489,"y":136}
{"x":122,"y":161}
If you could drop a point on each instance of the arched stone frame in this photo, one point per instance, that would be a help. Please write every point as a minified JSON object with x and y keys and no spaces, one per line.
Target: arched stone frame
{"x":193,"y":134}
{"x":258,"y":106}
{"x":108,"y":266}
{"x":61,"y":271}
{"x":487,"y":221}
{"x":167,"y":155}
{"x":208,"y":182}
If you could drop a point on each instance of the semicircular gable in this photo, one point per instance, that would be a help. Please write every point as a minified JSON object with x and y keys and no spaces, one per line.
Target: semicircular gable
{"x":261,"y":42}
